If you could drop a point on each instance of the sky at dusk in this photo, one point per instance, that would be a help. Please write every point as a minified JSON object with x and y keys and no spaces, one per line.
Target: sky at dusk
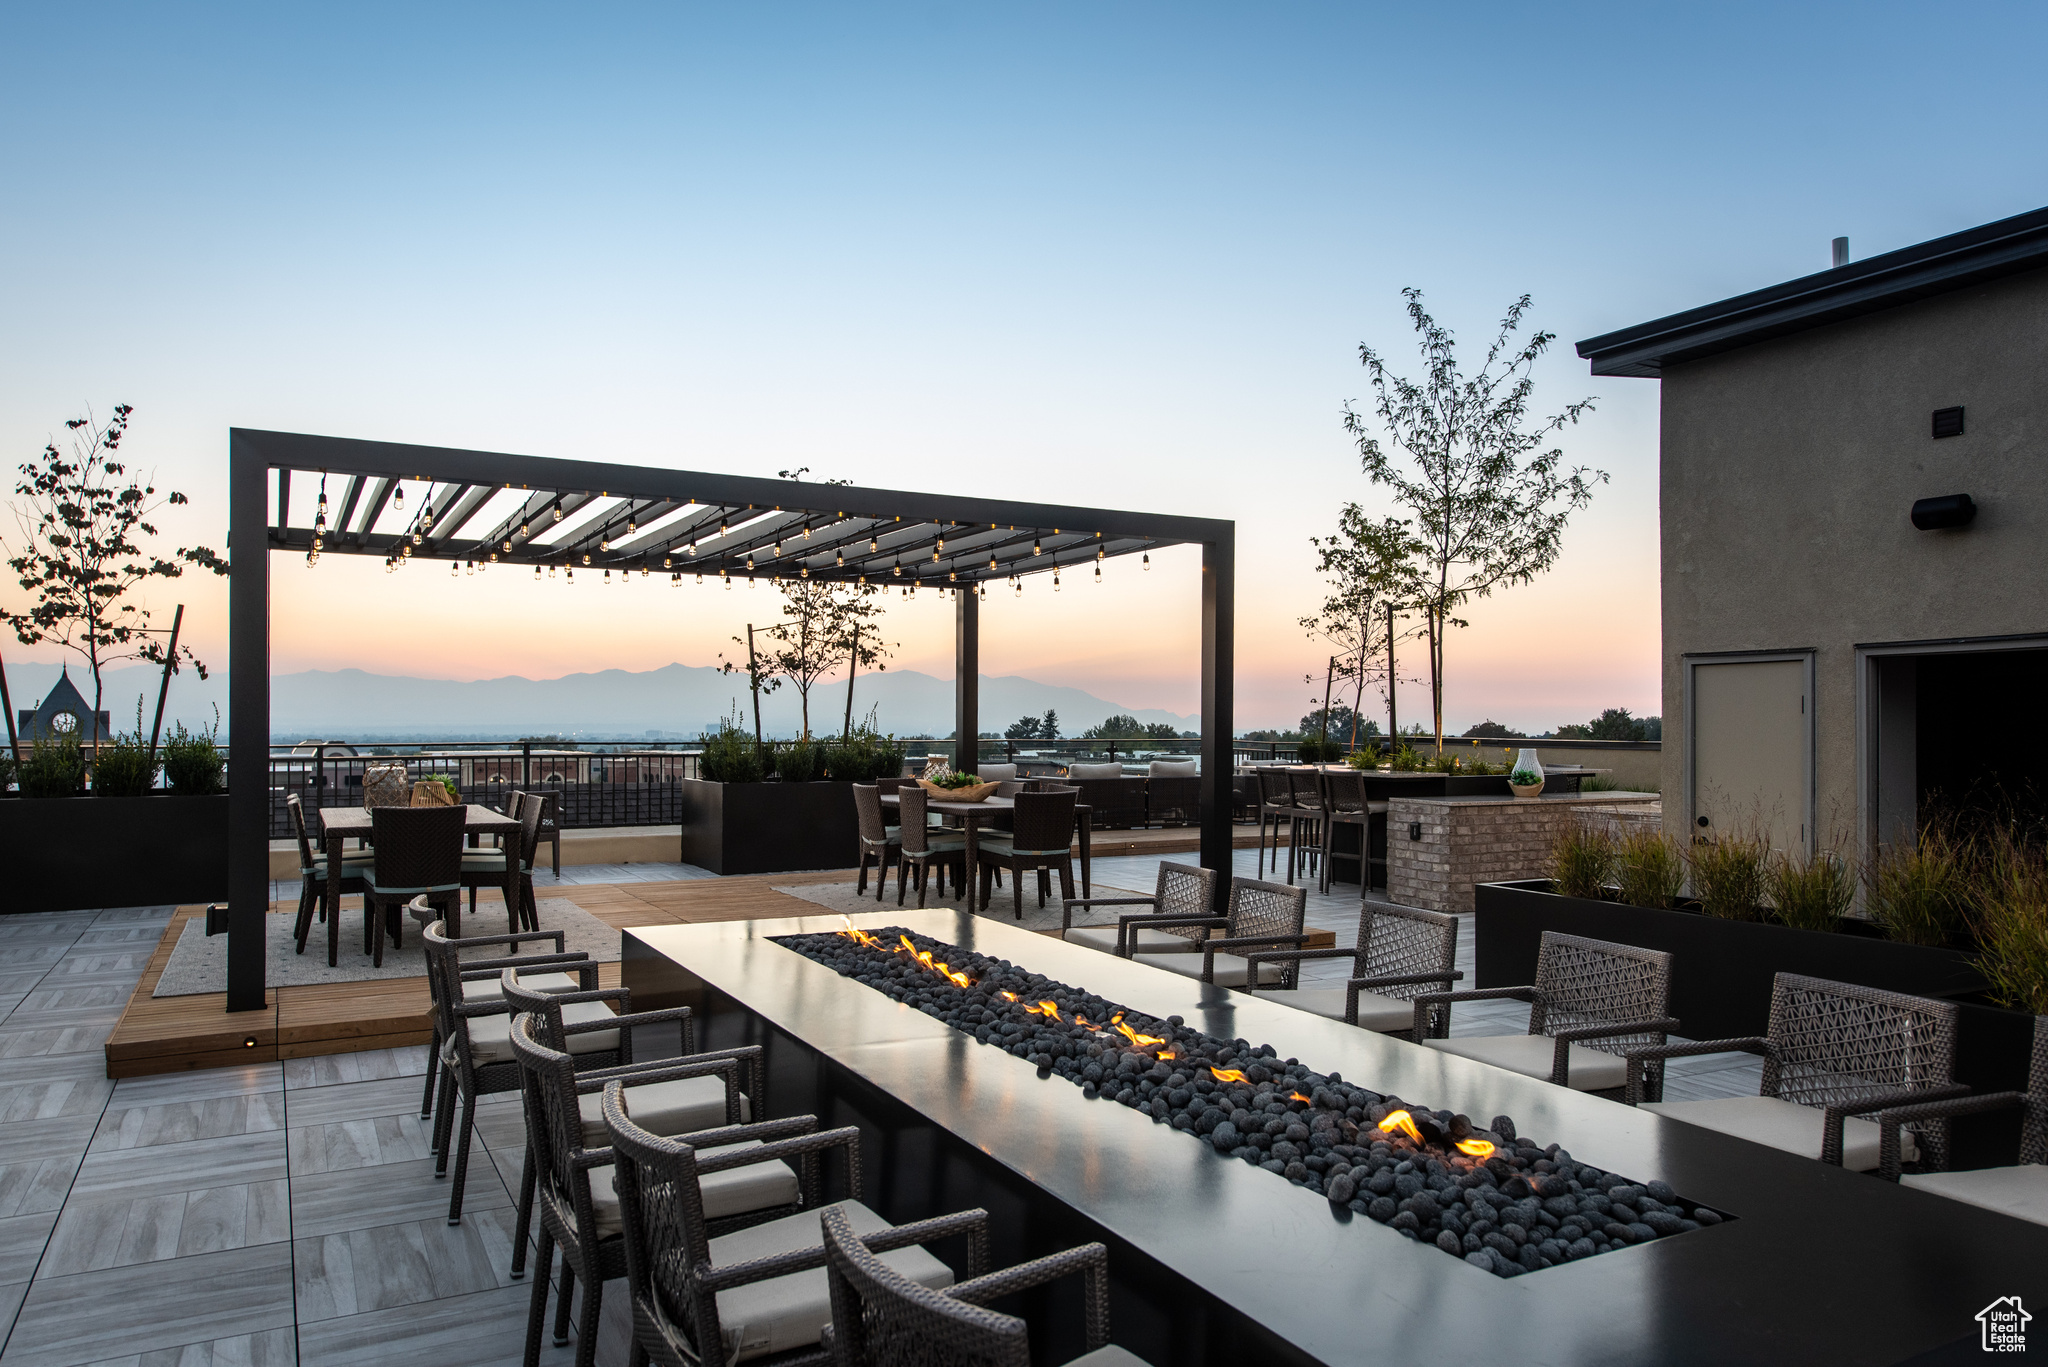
{"x":1105,"y":255}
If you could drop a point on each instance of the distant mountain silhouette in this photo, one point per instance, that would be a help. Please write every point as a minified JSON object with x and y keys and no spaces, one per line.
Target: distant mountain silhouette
{"x":677,"y":700}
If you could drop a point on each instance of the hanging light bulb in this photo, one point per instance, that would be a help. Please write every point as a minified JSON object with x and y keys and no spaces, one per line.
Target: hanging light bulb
{"x":951,"y":577}
{"x":469,"y":567}
{"x":643,"y":569}
{"x":1147,"y":558}
{"x":551,"y":571}
{"x":778,"y":546}
{"x":536,"y":574}
{"x":607,"y":578}
{"x":1055,"y":581}
{"x":939,"y":545}
{"x":558,"y":512}
{"x":523,"y":528}
{"x":874,"y":544}
{"x":804,"y":572}
{"x":840,"y":559}
{"x":427,"y":515}
{"x":454,"y":570}
{"x":750,"y":564}
{"x":398,"y":498}
{"x":1098,"y":552}
{"x":312,"y":559}
{"x":863,"y":579}
{"x":508,"y":545}
{"x":570,"y":573}
{"x":415,"y":538}
{"x":982,"y":589}
{"x":991,"y":563}
{"x":494,"y":557}
{"x":604,"y":543}
{"x":1036,"y":549}
{"x":675,"y":581}
{"x":1098,"y":576}
{"x":586,"y":557}
{"x":721,"y":526}
{"x":317,"y":543}
{"x":632,"y":526}
{"x":700,"y":576}
{"x":667,"y":561}
{"x":807,"y":531}
{"x":897,"y":569}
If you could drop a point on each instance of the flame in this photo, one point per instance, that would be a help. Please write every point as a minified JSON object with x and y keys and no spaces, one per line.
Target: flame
{"x":1167,"y":1053}
{"x":1044,"y":1008}
{"x":1398,"y":1122}
{"x":1474,"y":1148}
{"x":1296,"y":1096}
{"x":1009,"y":996}
{"x":1138,"y":1040}
{"x":859,"y":936}
{"x":923,"y":956}
{"x":1228,"y":1075}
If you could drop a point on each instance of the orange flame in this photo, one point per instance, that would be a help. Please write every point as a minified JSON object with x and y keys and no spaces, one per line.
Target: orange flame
{"x":924,"y":956}
{"x":1167,"y":1053}
{"x":1140,"y":1041}
{"x":1009,"y":996}
{"x":1296,"y":1096}
{"x":1228,"y":1075}
{"x":1474,"y":1148}
{"x":859,"y":936}
{"x":1044,"y":1008}
{"x":1399,"y":1122}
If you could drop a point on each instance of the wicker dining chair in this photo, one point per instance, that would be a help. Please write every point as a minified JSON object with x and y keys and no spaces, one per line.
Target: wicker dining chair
{"x":881,"y":1318}
{"x":1344,"y":803}
{"x":476,"y":1039}
{"x":1182,"y":890}
{"x":1041,"y":839}
{"x":1311,"y":831}
{"x":2020,"y":1191}
{"x":756,"y":1295}
{"x":920,"y":845}
{"x":1592,"y":1002}
{"x":1261,"y":916}
{"x":878,"y":839}
{"x":313,"y":874}
{"x":486,"y":868}
{"x":1399,"y":951}
{"x":1276,"y":805}
{"x":419,"y":854}
{"x":1834,"y":1053}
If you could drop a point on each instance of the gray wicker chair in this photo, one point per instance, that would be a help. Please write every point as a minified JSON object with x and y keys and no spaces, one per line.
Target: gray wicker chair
{"x":2020,"y":1191}
{"x":1311,"y":831}
{"x":478,"y":981}
{"x":920,"y":845}
{"x":1261,"y":916}
{"x":881,"y":1318}
{"x":419,"y":854}
{"x":1399,"y":951}
{"x":1042,"y":838}
{"x":1276,"y":804}
{"x":878,"y":840}
{"x":486,"y":868}
{"x":475,"y":1031}
{"x":1592,"y":1002}
{"x":1182,"y":890}
{"x":313,"y":874}
{"x":1345,"y":804}
{"x":759,"y":1294}
{"x":1835,"y":1052}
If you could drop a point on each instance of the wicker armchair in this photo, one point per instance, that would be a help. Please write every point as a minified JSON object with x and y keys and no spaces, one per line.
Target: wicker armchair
{"x":759,"y":1294}
{"x":920,"y":845}
{"x":1399,"y":951}
{"x":1835,"y":1052}
{"x":881,"y":1318}
{"x":1042,"y":839}
{"x":1592,"y":1002}
{"x":475,"y":1033}
{"x":569,"y":972}
{"x":419,"y":854}
{"x":878,"y":839}
{"x":2020,"y":1191}
{"x":579,"y":1210}
{"x":1183,"y":890}
{"x":1345,"y":804}
{"x":1261,"y":916}
{"x":313,"y":874}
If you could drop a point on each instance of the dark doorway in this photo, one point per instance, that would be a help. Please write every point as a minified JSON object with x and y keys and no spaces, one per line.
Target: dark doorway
{"x":1970,"y":708}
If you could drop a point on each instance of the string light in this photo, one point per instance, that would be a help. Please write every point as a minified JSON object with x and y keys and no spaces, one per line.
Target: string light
{"x":494,"y":557}
{"x":1055,"y":579}
{"x":1148,"y":561}
{"x":874,"y":544}
{"x":840,"y":560}
{"x":398,"y":497}
{"x":896,"y":570}
{"x":536,"y":574}
{"x":523,"y":531}
{"x":551,"y":571}
{"x":1036,"y":549}
{"x":454,"y":570}
{"x":558,"y":512}
{"x":604,"y":542}
{"x":675,"y":581}
{"x":667,"y":562}
{"x":807,"y":531}
{"x":415,"y":538}
{"x":508,"y":543}
{"x":1098,"y":576}
{"x":1098,"y":552}
{"x":320,"y":516}
{"x":721,"y":526}
{"x":571,"y":573}
{"x":951,"y":577}
{"x":427,"y":514}
{"x":991,"y":563}
{"x":607,"y":578}
{"x":778,"y":546}
{"x":750,"y":564}
{"x":586,"y":558}
{"x":804,"y":572}
{"x":633,"y":527}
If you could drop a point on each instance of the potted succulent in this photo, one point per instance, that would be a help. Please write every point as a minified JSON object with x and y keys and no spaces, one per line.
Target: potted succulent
{"x":954,"y":786}
{"x":1525,"y":782}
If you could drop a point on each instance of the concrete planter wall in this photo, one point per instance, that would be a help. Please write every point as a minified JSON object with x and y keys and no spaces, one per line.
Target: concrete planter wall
{"x":769,"y":827}
{"x":1722,"y":973}
{"x":78,"y":853}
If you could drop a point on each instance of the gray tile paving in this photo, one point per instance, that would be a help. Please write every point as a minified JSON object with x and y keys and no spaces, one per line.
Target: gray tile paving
{"x":91,"y":1316}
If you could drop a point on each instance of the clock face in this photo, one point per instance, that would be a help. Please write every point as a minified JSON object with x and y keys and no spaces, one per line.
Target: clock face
{"x":65,"y":722}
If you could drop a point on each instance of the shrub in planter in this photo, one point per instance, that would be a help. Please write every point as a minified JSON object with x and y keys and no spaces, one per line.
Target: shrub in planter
{"x":6,"y":770}
{"x":192,"y":761}
{"x":1920,"y":893}
{"x":124,"y":769}
{"x":1406,"y":759}
{"x":1811,"y":892}
{"x":800,"y":761}
{"x":1648,"y":869}
{"x":2010,"y":912}
{"x":1729,"y":875}
{"x":55,"y":767}
{"x":1581,"y":861}
{"x":863,"y":756}
{"x":731,"y":755}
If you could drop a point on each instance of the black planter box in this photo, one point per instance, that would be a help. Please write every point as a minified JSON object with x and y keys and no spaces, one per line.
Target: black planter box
{"x":769,"y":827}
{"x":1722,"y":973}
{"x":81,"y":853}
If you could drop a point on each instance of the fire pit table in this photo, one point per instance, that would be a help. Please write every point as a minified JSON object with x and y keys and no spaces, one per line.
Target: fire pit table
{"x":1216,"y":1261}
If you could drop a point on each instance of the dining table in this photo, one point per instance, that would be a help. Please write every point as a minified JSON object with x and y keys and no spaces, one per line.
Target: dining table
{"x":337,"y":824}
{"x":971,"y":815}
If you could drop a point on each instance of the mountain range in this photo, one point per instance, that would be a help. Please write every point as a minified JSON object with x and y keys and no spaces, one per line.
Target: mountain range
{"x":674,"y":702}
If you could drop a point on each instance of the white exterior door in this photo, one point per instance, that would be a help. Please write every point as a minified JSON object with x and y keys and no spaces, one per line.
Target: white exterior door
{"x":1752,"y":749}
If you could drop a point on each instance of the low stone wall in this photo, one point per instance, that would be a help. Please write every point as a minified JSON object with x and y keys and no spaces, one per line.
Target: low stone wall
{"x":1440,"y":849}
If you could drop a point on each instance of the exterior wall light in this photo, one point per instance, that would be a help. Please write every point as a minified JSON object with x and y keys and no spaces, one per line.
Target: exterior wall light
{"x":1948,"y":510}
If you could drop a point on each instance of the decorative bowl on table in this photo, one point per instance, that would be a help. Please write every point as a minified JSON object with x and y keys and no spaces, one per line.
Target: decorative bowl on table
{"x":1525,"y":783}
{"x":957,"y":787}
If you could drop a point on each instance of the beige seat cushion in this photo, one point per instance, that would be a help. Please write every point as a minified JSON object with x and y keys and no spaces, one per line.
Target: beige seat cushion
{"x":996,"y":773}
{"x":735,"y":1191}
{"x":2021,"y":1192}
{"x":1784,"y":1125}
{"x":792,"y":1312}
{"x":1374,"y":1011}
{"x":490,"y":1037}
{"x":491,"y":989}
{"x":1230,"y":970}
{"x":1148,"y":941}
{"x":1591,"y":1070}
{"x":1084,"y":771}
{"x":1109,"y":1355}
{"x":681,"y":1105}
{"x":1175,"y":768}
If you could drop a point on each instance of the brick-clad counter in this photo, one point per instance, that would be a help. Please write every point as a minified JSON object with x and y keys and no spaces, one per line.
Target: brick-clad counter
{"x":1461,"y":842}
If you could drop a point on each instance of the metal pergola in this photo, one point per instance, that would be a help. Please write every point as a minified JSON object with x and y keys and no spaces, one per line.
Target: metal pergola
{"x":567,"y":517}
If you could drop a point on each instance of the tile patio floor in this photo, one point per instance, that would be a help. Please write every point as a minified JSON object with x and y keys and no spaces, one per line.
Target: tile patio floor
{"x":288,"y":1213}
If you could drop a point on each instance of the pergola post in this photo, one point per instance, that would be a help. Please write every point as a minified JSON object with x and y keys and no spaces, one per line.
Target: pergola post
{"x":966,"y":680}
{"x":1219,"y":662}
{"x":248,"y":722}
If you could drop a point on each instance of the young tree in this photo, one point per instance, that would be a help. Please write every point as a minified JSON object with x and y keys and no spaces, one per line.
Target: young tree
{"x":1367,"y":567}
{"x":1049,"y":728}
{"x":823,"y":627}
{"x":1489,"y":500}
{"x":76,"y":551}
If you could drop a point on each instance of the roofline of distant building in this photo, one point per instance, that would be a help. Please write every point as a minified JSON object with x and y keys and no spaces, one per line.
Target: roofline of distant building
{"x":2006,"y":247}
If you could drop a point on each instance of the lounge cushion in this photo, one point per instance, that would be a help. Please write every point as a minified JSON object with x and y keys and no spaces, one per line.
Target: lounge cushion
{"x":1148,"y":941}
{"x":1230,"y":969}
{"x":792,"y":1312}
{"x":1591,"y":1070}
{"x":1784,"y":1125}
{"x":490,"y":989}
{"x":995,"y":773}
{"x":1175,"y":768}
{"x":490,"y":1037}
{"x":1006,"y":844}
{"x":2021,"y":1192}
{"x":1095,"y":771}
{"x":1374,"y":1011}
{"x":485,"y":861}
{"x":681,"y":1105}
{"x":757,"y":1186}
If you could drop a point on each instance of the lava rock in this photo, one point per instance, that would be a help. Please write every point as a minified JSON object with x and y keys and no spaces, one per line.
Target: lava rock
{"x":1381,"y":1209}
